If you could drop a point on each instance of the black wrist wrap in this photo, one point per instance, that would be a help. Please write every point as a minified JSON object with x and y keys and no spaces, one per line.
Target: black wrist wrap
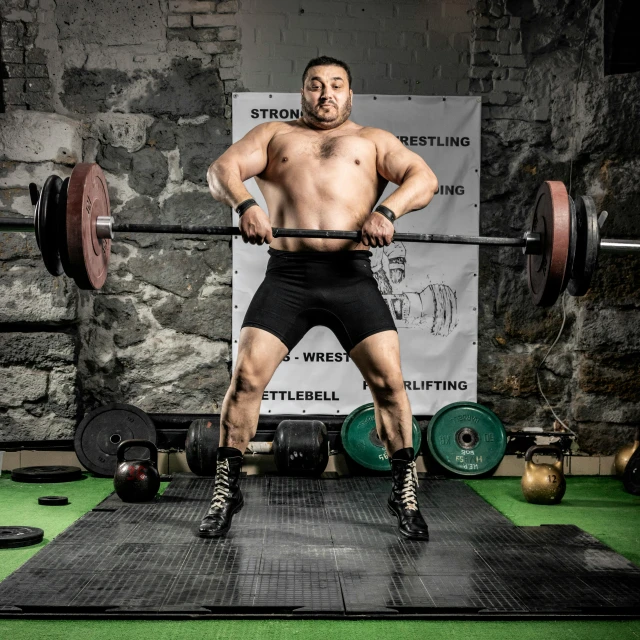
{"x":244,"y":205}
{"x":386,"y":212}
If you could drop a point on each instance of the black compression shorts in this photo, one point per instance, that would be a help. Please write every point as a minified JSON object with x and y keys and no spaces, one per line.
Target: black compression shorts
{"x":304,"y":289}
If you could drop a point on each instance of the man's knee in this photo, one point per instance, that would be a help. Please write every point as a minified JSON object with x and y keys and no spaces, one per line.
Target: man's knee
{"x":246,"y":382}
{"x":387,"y":389}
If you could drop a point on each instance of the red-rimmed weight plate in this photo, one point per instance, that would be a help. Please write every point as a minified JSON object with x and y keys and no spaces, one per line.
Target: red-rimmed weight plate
{"x":87,"y":199}
{"x":552,"y":220}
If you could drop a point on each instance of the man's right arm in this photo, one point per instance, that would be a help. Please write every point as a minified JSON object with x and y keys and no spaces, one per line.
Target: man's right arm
{"x":245,"y":159}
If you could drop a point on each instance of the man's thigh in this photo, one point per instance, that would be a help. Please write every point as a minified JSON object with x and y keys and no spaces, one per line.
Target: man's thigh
{"x":378,"y":358}
{"x":259,"y":354}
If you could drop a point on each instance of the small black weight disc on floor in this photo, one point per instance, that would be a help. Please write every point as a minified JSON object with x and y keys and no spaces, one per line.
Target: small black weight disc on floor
{"x":101,"y":431}
{"x":52,"y":473}
{"x":11,"y":537}
{"x":53,"y":501}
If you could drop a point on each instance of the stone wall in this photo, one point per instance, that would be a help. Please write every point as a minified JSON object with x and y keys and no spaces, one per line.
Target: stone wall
{"x":148,"y":97}
{"x":542,"y":122}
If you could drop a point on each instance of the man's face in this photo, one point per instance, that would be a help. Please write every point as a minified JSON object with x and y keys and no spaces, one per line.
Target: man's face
{"x":326,"y":97}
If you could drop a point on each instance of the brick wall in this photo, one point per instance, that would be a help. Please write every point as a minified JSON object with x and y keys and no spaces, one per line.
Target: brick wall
{"x":25,"y":81}
{"x":392,"y":47}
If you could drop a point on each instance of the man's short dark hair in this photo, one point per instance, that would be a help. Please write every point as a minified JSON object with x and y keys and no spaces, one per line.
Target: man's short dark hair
{"x":324,"y":61}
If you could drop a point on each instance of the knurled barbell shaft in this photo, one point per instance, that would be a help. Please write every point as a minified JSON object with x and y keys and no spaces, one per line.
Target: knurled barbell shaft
{"x":278,"y":232}
{"x":18,"y":224}
{"x":26,"y":224}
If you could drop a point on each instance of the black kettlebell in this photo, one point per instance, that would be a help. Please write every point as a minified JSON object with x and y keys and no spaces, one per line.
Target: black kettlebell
{"x":136,"y":480}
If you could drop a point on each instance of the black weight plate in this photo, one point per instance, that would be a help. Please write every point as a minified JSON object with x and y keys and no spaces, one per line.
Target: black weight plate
{"x":47,"y":224}
{"x":631,"y":476}
{"x":62,"y":229}
{"x":587,"y":246}
{"x":34,"y":194}
{"x":201,"y":447}
{"x":36,"y":211}
{"x":11,"y":537}
{"x":101,"y":431}
{"x":53,"y":501}
{"x":45,"y":474}
{"x":301,"y":447}
{"x":573,"y":242}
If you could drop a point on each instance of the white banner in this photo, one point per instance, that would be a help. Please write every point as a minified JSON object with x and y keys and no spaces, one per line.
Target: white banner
{"x":431,"y":289}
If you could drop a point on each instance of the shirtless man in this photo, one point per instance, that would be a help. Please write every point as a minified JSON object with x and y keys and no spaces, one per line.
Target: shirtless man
{"x":322,"y":171}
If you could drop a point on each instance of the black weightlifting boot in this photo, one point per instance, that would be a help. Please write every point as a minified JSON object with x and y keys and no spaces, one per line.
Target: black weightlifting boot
{"x":403,"y":501}
{"x":227,"y":497}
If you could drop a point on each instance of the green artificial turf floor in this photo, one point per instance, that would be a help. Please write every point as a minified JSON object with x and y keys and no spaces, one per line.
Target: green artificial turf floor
{"x":596,"y":504}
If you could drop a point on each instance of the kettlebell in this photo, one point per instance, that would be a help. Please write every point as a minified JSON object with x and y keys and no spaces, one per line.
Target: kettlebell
{"x":624,"y":453}
{"x":136,"y":480}
{"x":543,"y":483}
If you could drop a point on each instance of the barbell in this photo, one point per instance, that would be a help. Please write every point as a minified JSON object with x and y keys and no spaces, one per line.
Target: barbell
{"x":74,"y":229}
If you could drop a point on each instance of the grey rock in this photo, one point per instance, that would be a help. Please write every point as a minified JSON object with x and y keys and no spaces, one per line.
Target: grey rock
{"x":29,"y":294}
{"x":115,"y":23}
{"x":194,"y":207}
{"x":22,"y":384}
{"x":149,"y":172}
{"x":602,"y":438}
{"x":199,"y":146}
{"x":121,"y":318}
{"x":169,"y":270}
{"x":209,"y":317}
{"x":40,"y":349}
{"x":162,"y":135}
{"x":61,"y":397}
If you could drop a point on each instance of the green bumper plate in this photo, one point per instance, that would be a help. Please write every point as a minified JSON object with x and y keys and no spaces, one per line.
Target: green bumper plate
{"x":361,"y":442}
{"x":467,"y":438}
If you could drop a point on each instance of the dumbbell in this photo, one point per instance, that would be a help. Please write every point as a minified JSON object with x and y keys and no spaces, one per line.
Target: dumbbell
{"x":299,"y":447}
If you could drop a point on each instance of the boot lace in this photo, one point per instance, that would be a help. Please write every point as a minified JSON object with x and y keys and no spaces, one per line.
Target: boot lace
{"x":408,"y":494}
{"x":221,"y":489}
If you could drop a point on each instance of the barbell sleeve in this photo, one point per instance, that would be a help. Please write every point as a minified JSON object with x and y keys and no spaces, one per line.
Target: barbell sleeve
{"x":619,"y":246}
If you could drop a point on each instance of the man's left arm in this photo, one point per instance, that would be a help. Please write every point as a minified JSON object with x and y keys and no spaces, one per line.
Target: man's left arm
{"x":417,"y":185}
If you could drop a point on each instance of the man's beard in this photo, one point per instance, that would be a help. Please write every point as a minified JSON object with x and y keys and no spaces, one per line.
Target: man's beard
{"x":320,"y":120}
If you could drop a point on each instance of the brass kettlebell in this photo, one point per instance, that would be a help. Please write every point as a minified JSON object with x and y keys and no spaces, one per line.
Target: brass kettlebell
{"x":543,"y":483}
{"x":136,"y":480}
{"x":624,"y":453}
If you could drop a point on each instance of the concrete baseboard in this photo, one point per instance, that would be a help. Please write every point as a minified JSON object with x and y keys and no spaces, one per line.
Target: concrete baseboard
{"x":259,"y":464}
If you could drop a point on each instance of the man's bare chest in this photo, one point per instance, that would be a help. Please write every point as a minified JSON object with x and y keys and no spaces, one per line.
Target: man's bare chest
{"x":324,"y":150}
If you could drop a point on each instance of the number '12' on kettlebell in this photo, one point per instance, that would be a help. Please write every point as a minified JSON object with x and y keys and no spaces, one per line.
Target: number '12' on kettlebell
{"x":136,"y":480}
{"x":543,"y":483}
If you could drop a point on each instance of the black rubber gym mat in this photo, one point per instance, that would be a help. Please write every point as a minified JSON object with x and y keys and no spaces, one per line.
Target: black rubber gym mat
{"x":319,"y":548}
